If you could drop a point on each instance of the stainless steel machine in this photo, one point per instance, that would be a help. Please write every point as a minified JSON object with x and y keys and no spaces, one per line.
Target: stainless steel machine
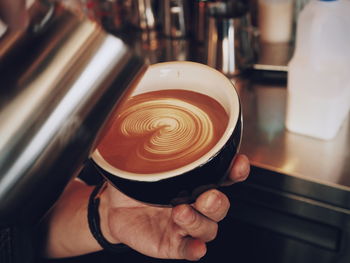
{"x":60,"y":78}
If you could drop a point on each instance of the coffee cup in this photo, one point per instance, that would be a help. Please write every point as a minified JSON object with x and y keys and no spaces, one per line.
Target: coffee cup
{"x":174,"y":137}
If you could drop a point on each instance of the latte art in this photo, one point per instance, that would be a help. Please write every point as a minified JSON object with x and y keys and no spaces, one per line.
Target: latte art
{"x":163,"y":130}
{"x":176,"y":129}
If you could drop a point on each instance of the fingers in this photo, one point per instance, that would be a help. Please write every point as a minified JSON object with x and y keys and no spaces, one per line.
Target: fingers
{"x":199,"y":223}
{"x":240,"y":170}
{"x":192,"y":249}
{"x":213,"y":204}
{"x":194,"y":224}
{"x":196,"y":230}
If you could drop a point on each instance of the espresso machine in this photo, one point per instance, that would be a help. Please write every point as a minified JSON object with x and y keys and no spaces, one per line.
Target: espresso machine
{"x":60,"y":79}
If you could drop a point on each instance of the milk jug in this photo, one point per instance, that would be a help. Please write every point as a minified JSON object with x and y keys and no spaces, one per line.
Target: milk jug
{"x":319,"y":71}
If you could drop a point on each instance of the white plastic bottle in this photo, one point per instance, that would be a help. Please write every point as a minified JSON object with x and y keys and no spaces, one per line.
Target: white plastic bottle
{"x":319,"y":72}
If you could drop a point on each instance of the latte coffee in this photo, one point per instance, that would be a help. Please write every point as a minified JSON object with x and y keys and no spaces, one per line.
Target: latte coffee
{"x":163,"y":130}
{"x":172,"y":136}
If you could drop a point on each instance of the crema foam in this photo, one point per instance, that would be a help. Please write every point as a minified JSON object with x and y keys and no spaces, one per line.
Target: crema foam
{"x":163,"y":130}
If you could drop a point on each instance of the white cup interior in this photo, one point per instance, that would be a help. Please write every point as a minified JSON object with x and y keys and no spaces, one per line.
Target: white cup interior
{"x":186,"y":76}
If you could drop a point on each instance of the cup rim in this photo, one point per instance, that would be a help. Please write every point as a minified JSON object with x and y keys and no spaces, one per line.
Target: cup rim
{"x":147,"y":177}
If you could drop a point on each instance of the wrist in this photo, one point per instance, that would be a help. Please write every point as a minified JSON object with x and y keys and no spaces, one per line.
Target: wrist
{"x":105,"y":208}
{"x":68,"y":233}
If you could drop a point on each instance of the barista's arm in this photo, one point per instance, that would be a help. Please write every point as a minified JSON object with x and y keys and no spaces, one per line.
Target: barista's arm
{"x":67,"y":232}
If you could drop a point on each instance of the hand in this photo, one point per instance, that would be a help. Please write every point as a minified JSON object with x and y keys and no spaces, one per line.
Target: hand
{"x":177,"y":233}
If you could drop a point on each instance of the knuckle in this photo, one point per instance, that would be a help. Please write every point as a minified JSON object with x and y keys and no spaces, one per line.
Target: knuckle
{"x":185,"y":215}
{"x":197,"y":224}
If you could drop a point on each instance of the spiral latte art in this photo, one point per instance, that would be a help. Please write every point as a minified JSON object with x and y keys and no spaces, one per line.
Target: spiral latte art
{"x":163,"y":130}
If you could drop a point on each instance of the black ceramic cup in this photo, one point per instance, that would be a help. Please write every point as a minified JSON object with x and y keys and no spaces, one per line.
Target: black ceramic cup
{"x":184,"y":184}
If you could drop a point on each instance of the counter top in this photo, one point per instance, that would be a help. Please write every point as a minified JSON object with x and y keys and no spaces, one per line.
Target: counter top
{"x":269,"y":145}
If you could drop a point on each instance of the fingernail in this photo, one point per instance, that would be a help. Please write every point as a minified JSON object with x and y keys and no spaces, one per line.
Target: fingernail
{"x":244,"y":171}
{"x":213,"y":202}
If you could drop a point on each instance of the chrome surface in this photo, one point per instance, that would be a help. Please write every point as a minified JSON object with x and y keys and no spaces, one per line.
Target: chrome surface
{"x":200,"y":23}
{"x":175,"y":15}
{"x":269,"y":145}
{"x":54,"y":101}
{"x":229,"y":41}
{"x":142,"y":13}
{"x":110,"y":13}
{"x":273,"y":56}
{"x":154,"y":48}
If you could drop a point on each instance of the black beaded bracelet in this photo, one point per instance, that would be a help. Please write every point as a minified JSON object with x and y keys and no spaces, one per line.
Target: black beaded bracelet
{"x":94,"y":221}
